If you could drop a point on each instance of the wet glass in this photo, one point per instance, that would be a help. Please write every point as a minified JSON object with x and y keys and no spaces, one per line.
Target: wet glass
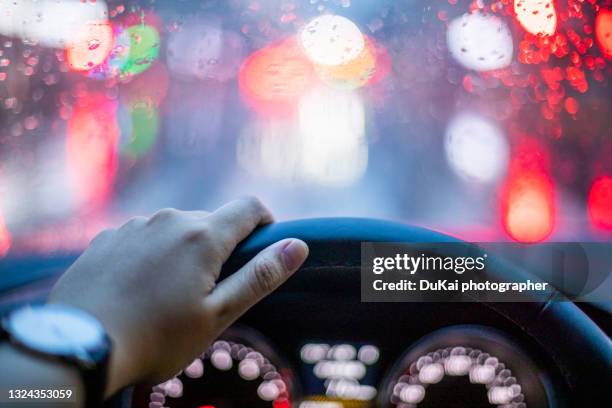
{"x":489,"y":120}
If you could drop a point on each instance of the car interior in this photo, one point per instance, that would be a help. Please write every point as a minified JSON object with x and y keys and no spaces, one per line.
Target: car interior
{"x":355,"y":121}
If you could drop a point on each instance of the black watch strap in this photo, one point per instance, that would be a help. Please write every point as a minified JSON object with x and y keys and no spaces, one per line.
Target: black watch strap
{"x":92,"y":365}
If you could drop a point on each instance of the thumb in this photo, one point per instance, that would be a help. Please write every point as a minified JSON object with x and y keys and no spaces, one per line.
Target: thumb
{"x":259,"y":277}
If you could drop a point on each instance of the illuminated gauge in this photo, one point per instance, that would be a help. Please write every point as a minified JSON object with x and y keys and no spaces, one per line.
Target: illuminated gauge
{"x":339,"y":375}
{"x":466,"y":366}
{"x":238,"y":370}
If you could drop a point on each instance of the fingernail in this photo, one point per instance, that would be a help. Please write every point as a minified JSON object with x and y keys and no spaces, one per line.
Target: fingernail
{"x":294,"y":254}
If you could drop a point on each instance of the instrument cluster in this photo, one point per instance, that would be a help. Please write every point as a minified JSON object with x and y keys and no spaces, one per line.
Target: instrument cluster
{"x":458,"y":366}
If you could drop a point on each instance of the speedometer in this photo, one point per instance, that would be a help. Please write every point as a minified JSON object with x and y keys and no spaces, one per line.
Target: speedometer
{"x":239,"y":370}
{"x":466,"y":366}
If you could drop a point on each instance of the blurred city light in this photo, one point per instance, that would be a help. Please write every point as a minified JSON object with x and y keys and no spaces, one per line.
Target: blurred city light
{"x":480,"y":42}
{"x":326,"y":145}
{"x":528,"y":209}
{"x":352,"y":74}
{"x":5,"y":238}
{"x":539,"y":69}
{"x":603,"y":31}
{"x":92,"y":137}
{"x":273,"y":79}
{"x":90,"y":46}
{"x":332,"y":40}
{"x":51,"y":23}
{"x":139,"y":125}
{"x":600,"y":203}
{"x":476,"y":148}
{"x":537,"y":17}
{"x":144,"y":49}
{"x":332,"y":129}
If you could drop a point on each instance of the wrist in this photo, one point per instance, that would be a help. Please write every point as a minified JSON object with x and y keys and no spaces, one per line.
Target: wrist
{"x":31,"y":371}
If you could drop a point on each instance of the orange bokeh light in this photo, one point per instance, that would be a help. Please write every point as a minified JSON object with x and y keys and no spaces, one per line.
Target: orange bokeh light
{"x":528,"y":198}
{"x":90,"y":46}
{"x":600,"y":203}
{"x":537,"y":17}
{"x":92,"y":138}
{"x":273,"y":78}
{"x":353,"y":74}
{"x":603,"y":31}
{"x":528,"y":207}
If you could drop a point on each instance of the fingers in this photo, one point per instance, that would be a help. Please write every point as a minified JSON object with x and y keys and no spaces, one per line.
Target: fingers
{"x":236,"y":220}
{"x":261,"y":276}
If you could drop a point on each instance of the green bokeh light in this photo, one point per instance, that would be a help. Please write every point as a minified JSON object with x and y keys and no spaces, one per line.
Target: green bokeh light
{"x":144,"y":49}
{"x":139,"y":129}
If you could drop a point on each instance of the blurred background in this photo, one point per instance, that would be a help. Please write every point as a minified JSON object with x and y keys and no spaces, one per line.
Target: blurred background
{"x":488,"y":120}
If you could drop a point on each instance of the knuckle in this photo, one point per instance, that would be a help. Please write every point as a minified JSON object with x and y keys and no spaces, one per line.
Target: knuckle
{"x":255,"y":203}
{"x":198,"y":235}
{"x":164,"y":214}
{"x":102,"y":236}
{"x":266,"y":275}
{"x":135,"y":222}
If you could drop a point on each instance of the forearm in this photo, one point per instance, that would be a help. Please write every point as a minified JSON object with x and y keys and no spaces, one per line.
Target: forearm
{"x":24,"y":371}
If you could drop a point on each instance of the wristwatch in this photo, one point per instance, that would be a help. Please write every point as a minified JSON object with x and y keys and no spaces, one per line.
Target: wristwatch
{"x":67,"y":335}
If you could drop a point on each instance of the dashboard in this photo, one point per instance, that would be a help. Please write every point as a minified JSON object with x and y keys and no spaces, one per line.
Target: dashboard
{"x":318,"y":350}
{"x":338,"y":354}
{"x":314,"y":344}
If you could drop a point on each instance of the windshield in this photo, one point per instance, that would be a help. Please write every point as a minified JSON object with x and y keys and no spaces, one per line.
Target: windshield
{"x":490,"y":120}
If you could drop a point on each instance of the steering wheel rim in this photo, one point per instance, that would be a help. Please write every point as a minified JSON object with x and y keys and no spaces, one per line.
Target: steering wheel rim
{"x":335,"y":244}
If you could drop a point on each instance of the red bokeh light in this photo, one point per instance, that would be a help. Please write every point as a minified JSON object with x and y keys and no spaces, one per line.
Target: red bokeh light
{"x":273,"y":78}
{"x":527,"y":198}
{"x":528,"y":207}
{"x":91,"y":143}
{"x":603,"y":31}
{"x":281,"y":403}
{"x":383,"y":61}
{"x":600,"y":203}
{"x":5,"y":238}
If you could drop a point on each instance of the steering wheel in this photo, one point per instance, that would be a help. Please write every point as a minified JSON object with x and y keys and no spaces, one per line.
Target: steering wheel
{"x":580,"y":349}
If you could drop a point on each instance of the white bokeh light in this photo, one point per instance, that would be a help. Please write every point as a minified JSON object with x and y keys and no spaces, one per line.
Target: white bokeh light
{"x":476,"y":148}
{"x":368,"y":354}
{"x":268,"y":391}
{"x":482,"y":374}
{"x":538,"y":17}
{"x":248,"y":369}
{"x":332,"y":126}
{"x":51,"y":23}
{"x":195,"y":369}
{"x":457,"y":365}
{"x":412,"y":393}
{"x":325,"y":146}
{"x":431,"y":373}
{"x":221,"y":360}
{"x":332,"y":40}
{"x":480,"y":42}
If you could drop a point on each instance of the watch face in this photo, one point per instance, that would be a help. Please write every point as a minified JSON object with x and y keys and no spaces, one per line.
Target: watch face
{"x":56,"y":329}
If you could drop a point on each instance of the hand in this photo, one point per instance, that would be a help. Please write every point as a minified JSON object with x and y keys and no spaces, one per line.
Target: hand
{"x":152,"y":283}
